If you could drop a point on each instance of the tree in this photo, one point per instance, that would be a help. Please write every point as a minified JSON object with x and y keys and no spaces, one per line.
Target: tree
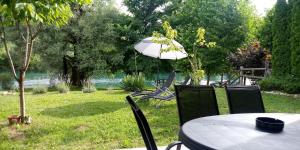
{"x":281,"y":54}
{"x":86,"y":47}
{"x":295,"y":38}
{"x":224,"y":24}
{"x":30,"y":16}
{"x":265,"y":32}
{"x":146,"y":18}
{"x":251,"y":21}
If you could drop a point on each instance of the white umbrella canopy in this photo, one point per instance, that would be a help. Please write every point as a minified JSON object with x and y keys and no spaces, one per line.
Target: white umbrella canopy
{"x":149,"y":48}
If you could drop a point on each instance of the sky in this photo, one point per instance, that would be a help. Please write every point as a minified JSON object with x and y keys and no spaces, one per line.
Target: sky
{"x":261,"y":5}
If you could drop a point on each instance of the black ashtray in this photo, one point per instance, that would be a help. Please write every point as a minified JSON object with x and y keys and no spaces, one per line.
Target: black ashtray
{"x":269,"y":124}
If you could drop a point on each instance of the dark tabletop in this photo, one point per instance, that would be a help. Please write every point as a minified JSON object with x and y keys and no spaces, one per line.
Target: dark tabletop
{"x":238,"y":132}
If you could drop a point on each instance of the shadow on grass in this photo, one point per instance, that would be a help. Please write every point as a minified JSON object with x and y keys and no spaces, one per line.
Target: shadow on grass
{"x":83,"y":109}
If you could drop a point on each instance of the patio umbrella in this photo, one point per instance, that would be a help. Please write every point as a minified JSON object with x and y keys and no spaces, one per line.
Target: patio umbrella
{"x":148,"y":47}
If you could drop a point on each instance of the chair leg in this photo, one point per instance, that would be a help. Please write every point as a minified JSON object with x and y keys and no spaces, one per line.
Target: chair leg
{"x":178,"y":147}
{"x":178,"y":143}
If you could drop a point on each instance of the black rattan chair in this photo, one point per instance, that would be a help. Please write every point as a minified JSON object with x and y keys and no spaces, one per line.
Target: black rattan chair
{"x":144,"y":127}
{"x":195,"y":101}
{"x":244,"y":99}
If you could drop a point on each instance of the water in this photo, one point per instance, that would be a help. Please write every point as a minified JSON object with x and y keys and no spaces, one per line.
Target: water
{"x":34,"y":79}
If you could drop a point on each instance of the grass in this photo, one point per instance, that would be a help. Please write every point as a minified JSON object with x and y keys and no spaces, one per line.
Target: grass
{"x":100,"y":120}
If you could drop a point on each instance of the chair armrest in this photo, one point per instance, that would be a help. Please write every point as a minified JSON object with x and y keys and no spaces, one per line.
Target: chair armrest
{"x":173,"y":144}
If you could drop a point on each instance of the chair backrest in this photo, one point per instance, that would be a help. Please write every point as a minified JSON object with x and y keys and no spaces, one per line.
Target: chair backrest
{"x":244,"y":99}
{"x":195,"y":101}
{"x":143,"y":125}
{"x":169,"y":81}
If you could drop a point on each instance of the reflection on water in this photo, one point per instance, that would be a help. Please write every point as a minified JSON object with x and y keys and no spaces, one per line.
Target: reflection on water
{"x":105,"y":82}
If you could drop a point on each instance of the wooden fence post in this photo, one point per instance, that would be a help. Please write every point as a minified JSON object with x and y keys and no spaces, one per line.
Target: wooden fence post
{"x":241,"y":76}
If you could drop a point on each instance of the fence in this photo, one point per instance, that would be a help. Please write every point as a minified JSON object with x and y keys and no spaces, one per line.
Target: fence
{"x":253,"y":74}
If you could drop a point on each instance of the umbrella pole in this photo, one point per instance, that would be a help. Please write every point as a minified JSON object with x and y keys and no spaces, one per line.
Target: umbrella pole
{"x":135,"y":56}
{"x":157,"y":76}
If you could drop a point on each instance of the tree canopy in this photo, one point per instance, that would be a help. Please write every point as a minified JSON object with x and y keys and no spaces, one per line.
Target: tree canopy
{"x":281,"y":51}
{"x":229,"y":23}
{"x":295,"y":38}
{"x":86,"y":47}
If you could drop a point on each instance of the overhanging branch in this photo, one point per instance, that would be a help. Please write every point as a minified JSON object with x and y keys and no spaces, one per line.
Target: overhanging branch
{"x":29,"y":42}
{"x":3,"y":39}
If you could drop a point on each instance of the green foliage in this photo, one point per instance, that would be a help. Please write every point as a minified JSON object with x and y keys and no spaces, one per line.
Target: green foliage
{"x":271,"y":84}
{"x":166,"y":39}
{"x":228,"y":32}
{"x":197,"y":76}
{"x":3,"y":58}
{"x":197,"y":73}
{"x":251,"y":21}
{"x":145,"y":14}
{"x":39,"y":11}
{"x":40,"y":90}
{"x":89,"y":87}
{"x":295,"y":37}
{"x":287,"y":84}
{"x":133,"y":82}
{"x":265,"y":31}
{"x":196,"y":59}
{"x":86,"y":47}
{"x":226,"y":22}
{"x":62,"y":87}
{"x":146,"y":17}
{"x":6,"y":81}
{"x":281,"y":54}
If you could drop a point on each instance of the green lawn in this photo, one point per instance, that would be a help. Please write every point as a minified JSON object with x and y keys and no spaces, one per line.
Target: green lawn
{"x":100,"y":120}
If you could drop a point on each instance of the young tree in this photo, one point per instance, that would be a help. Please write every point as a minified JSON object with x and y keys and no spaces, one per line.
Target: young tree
{"x":30,"y":16}
{"x":194,"y":58}
{"x":281,"y":54}
{"x":295,"y":38}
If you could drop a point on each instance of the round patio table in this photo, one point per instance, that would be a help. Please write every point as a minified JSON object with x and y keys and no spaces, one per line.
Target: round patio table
{"x":238,"y":132}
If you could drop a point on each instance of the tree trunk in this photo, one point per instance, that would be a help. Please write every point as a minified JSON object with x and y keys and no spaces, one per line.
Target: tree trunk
{"x":222,"y":78}
{"x":229,"y":78}
{"x":65,"y":69}
{"x":208,"y":78}
{"x":75,"y":77}
{"x":22,"y":97}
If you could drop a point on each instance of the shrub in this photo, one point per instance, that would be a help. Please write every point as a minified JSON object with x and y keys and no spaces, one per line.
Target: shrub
{"x":291,"y":88}
{"x":6,"y":81}
{"x":133,"y":82}
{"x":289,"y":84}
{"x":62,"y":87}
{"x":271,"y":84}
{"x":40,"y":90}
{"x":88,"y":87}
